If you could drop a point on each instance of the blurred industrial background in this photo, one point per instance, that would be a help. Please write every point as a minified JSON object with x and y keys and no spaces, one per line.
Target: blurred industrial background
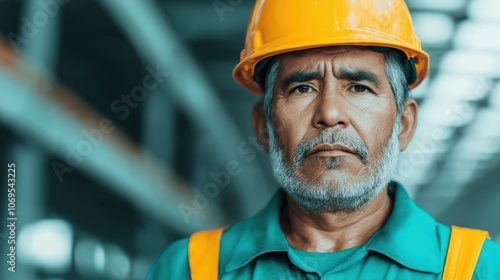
{"x":128,"y":132}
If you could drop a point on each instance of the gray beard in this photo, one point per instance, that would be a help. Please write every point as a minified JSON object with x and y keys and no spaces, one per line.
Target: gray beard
{"x":339,"y":193}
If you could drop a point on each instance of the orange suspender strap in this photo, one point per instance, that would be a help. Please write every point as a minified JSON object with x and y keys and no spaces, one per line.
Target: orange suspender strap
{"x":203,"y":254}
{"x":463,"y":252}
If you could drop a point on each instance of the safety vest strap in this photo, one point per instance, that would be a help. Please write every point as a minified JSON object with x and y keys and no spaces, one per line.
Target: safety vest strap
{"x":203,"y":254}
{"x":463,"y":252}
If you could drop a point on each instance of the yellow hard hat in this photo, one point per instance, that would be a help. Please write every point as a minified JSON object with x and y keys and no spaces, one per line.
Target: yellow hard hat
{"x":280,"y":26}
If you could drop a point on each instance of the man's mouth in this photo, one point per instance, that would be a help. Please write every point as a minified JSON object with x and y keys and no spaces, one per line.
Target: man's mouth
{"x":330,"y":150}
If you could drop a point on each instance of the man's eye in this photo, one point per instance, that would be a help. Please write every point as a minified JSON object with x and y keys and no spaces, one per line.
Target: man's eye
{"x":360,"y":89}
{"x":303,"y":89}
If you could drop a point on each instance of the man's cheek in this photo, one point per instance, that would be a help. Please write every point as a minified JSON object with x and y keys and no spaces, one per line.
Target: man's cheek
{"x":279,"y":123}
{"x":376,"y":147}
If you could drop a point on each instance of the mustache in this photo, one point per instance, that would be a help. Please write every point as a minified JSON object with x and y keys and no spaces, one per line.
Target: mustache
{"x":331,"y":136}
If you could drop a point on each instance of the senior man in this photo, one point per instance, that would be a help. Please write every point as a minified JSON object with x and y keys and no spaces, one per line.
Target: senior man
{"x":336,"y":78}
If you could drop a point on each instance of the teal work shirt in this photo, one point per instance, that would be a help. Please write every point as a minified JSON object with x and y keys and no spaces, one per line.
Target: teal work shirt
{"x":411,"y":245}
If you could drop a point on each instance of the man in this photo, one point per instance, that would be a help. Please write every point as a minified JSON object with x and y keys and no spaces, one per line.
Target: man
{"x":336,"y":78}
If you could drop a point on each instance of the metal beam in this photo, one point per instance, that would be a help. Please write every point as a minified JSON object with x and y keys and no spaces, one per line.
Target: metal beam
{"x":57,"y":122}
{"x":157,"y":44}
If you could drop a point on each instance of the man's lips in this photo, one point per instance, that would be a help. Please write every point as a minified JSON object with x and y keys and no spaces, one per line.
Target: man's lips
{"x":330,"y":148}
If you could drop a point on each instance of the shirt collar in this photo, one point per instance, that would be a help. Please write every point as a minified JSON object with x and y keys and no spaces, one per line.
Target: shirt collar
{"x":261,"y":234}
{"x":408,"y":237}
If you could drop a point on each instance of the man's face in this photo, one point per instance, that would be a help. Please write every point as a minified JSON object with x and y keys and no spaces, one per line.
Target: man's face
{"x":333,"y":115}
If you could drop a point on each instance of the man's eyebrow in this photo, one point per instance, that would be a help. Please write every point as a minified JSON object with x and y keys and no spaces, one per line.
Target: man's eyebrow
{"x":358,"y":76}
{"x":299,"y":77}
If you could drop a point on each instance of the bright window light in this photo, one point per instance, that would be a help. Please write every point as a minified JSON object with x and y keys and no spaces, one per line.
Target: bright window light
{"x":90,"y":258}
{"x":482,"y":137}
{"x":425,"y":27}
{"x":422,"y":89}
{"x":441,"y":5}
{"x":495,"y":97}
{"x":450,"y":101}
{"x":478,"y":36}
{"x":484,"y":10}
{"x":486,"y":125}
{"x":117,"y":262}
{"x":47,"y":244}
{"x":441,"y":113}
{"x":473,"y":62}
{"x":448,"y":87}
{"x":99,"y":258}
{"x":94,"y":260}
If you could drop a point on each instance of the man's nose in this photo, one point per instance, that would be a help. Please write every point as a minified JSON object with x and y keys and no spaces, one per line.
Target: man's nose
{"x":330,"y":109}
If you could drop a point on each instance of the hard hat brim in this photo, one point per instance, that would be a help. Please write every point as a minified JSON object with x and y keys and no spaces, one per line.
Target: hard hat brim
{"x":244,"y":71}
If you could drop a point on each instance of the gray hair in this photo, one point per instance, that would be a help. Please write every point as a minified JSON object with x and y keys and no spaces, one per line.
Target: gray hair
{"x":394,"y":68}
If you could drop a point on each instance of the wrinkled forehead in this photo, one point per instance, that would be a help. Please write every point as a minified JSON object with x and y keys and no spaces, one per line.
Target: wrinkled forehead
{"x":330,"y":50}
{"x":354,"y":57}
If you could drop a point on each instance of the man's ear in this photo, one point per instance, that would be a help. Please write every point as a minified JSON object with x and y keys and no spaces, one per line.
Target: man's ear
{"x":260,"y":126}
{"x":408,"y":123}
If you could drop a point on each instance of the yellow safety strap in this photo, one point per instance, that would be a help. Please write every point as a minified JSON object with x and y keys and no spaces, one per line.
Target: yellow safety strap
{"x":463,"y":252}
{"x":203,"y":254}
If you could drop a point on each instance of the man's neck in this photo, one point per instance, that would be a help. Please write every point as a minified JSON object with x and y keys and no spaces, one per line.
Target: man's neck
{"x":329,"y":232}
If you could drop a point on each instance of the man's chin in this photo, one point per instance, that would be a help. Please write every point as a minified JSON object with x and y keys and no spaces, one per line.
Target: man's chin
{"x":332,"y":189}
{"x":332,"y":197}
{"x":329,"y":201}
{"x":332,"y":178}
